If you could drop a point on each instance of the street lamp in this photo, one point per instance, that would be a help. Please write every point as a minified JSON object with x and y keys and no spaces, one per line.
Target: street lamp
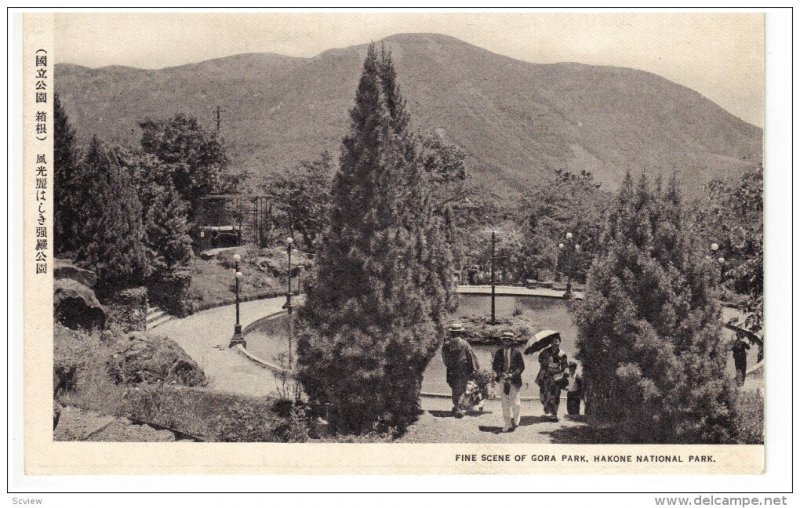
{"x":720,"y":260}
{"x":494,"y":321}
{"x":237,"y":338}
{"x":288,"y":304}
{"x":569,"y":261}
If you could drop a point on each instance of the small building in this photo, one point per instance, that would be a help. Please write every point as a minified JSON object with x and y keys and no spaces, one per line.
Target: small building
{"x":215,"y":224}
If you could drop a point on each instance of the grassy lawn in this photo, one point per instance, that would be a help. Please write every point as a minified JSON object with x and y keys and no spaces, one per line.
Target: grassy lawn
{"x":213,"y":283}
{"x":262,"y":276}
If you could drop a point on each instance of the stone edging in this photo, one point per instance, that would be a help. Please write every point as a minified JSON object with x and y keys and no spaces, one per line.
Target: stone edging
{"x":280,"y":370}
{"x":250,"y":326}
{"x":261,"y":295}
{"x":261,"y":363}
{"x":250,"y":356}
{"x":518,"y":291}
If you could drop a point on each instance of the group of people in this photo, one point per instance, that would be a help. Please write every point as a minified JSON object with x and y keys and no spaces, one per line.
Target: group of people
{"x":556,"y":373}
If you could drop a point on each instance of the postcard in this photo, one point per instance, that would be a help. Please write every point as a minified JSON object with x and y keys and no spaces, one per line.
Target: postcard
{"x":394,"y":243}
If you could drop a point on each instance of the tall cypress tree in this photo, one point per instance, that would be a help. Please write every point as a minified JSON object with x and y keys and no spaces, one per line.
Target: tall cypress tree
{"x":650,"y":327}
{"x":374,"y":311}
{"x":166,"y":229}
{"x":112,"y":234}
{"x":65,"y":164}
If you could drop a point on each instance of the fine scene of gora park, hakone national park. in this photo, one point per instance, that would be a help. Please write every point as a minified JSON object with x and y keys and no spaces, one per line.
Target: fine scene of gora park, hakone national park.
{"x":412,"y":240}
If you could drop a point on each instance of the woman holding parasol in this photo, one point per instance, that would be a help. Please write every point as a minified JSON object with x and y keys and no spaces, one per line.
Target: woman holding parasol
{"x":552,"y":366}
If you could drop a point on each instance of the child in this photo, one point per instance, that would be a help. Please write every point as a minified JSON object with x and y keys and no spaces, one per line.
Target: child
{"x":574,"y":390}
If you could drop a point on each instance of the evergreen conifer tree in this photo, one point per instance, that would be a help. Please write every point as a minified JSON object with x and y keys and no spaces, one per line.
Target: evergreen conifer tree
{"x":374,"y":311}
{"x":196,"y":159}
{"x":650,"y":327}
{"x":112,"y":234}
{"x":65,"y":192}
{"x":166,"y":229}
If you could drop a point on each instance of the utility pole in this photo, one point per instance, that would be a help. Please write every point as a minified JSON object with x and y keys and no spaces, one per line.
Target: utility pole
{"x":219,"y":119}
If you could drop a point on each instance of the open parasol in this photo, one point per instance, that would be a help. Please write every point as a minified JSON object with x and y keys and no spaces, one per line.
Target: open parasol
{"x":540,"y":341}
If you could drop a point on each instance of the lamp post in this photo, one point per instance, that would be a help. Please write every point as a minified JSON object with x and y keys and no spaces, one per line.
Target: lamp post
{"x":569,"y":250}
{"x":720,"y":260}
{"x":237,"y":338}
{"x":493,"y":281}
{"x":289,"y":242}
{"x":288,"y":304}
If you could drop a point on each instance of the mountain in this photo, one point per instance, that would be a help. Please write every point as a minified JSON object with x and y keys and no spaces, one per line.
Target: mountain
{"x":516,"y":120}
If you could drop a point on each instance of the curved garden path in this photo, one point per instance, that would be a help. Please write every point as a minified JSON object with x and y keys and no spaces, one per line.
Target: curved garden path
{"x":205,"y":337}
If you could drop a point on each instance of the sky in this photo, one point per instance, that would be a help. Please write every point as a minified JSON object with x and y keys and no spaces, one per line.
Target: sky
{"x":720,"y":55}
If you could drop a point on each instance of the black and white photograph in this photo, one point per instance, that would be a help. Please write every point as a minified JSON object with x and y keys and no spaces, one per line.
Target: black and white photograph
{"x":464,"y":228}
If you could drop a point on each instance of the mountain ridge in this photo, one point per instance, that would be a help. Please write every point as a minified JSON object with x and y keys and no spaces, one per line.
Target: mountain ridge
{"x":516,"y":120}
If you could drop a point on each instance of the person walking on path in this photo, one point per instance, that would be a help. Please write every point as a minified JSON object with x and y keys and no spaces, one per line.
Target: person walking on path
{"x":508,"y":366}
{"x":460,"y":362}
{"x":553,"y":364}
{"x":574,"y":390}
{"x":740,"y":347}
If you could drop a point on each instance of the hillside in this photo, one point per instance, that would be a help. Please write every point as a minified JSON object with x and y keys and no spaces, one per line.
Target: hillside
{"x":516,"y":120}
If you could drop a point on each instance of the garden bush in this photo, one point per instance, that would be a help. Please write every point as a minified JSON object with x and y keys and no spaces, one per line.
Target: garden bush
{"x":478,"y":329}
{"x":171,"y":291}
{"x":654,"y":358}
{"x":750,"y":417}
{"x":127,"y":308}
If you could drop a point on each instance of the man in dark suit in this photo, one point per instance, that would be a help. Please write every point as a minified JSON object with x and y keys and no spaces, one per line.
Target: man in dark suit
{"x":740,"y":347}
{"x":460,"y":362}
{"x":508,"y":366}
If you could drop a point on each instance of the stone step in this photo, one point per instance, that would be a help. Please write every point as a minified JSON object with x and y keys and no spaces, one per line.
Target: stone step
{"x":151,"y":316}
{"x":158,"y":321}
{"x":150,"y":310}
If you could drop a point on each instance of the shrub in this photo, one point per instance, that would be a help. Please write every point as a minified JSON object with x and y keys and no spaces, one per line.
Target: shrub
{"x":285,"y":383}
{"x":750,"y":417}
{"x":298,"y":430}
{"x":485,"y":379}
{"x":480,"y":331}
{"x":127,"y":308}
{"x":81,"y":377}
{"x":650,"y":331}
{"x":172,"y":292}
{"x":69,"y":359}
{"x":245,"y":421}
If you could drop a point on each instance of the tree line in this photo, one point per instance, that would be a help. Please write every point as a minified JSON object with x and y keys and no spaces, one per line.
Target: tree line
{"x":127,"y":213}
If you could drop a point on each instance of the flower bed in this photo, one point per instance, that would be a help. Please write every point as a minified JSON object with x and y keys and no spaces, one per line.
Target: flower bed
{"x":480,"y":331}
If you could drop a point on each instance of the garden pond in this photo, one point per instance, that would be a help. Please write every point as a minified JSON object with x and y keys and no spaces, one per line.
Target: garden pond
{"x":268,"y":339}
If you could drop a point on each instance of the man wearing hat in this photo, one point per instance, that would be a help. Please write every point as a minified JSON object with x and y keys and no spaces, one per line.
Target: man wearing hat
{"x":461,"y":363}
{"x":508,"y":366}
